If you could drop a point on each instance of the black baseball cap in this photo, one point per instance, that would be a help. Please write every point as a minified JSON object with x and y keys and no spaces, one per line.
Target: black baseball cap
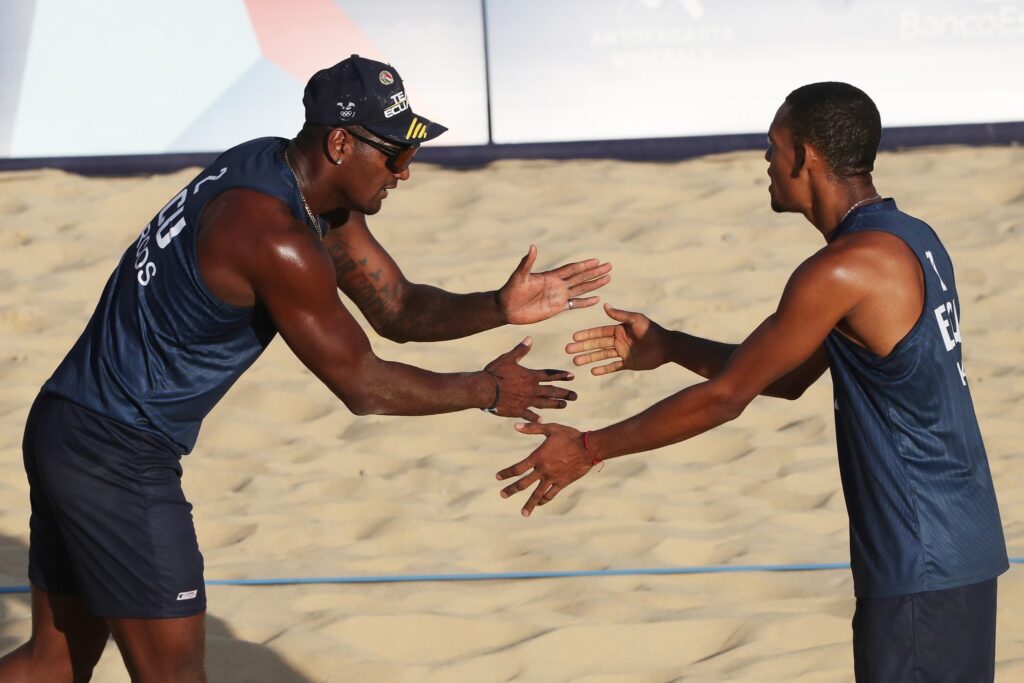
{"x":359,"y":91}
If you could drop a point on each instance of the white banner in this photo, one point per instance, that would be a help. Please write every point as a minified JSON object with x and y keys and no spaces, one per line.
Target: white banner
{"x":152,"y":76}
{"x":585,"y":70}
{"x":110,"y":77}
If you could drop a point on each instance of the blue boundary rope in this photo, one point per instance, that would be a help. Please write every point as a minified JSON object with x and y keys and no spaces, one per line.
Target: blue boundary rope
{"x":514,"y":576}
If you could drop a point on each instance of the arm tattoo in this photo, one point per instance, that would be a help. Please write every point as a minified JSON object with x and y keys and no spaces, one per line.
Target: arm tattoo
{"x":418,"y":313}
{"x":373,"y":302}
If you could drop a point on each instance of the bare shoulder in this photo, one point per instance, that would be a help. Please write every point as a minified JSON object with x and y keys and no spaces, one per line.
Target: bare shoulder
{"x":874,"y":254}
{"x":886,"y":282}
{"x":250,"y":223}
{"x":248,"y":239}
{"x":244,"y":209}
{"x":852,"y":269}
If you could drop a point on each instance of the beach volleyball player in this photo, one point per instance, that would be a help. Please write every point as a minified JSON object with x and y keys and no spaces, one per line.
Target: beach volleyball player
{"x":257,"y":244}
{"x":878,"y":307}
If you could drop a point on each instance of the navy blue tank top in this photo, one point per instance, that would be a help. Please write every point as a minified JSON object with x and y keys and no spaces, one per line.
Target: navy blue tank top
{"x":923,"y":513}
{"x":161,"y":349}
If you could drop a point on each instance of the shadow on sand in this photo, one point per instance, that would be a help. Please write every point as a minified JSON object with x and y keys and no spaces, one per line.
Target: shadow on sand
{"x":228,"y":658}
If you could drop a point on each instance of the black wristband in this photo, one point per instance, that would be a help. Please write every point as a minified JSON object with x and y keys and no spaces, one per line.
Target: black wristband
{"x":493,"y":410}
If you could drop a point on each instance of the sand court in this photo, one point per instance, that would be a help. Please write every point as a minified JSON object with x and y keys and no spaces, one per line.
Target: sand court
{"x":287,"y":483}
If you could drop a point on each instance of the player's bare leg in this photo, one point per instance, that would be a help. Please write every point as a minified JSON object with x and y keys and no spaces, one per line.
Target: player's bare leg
{"x":65,"y":645}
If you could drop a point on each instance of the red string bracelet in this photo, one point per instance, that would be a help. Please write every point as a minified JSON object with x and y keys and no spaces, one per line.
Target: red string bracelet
{"x":586,"y":446}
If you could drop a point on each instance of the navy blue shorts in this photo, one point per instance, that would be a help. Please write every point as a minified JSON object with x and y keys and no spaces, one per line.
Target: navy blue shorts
{"x":933,"y":637}
{"x":109,"y":519}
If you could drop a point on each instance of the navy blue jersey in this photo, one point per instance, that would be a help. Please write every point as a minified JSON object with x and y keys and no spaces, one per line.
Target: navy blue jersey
{"x":161,"y":349}
{"x":923,"y":513}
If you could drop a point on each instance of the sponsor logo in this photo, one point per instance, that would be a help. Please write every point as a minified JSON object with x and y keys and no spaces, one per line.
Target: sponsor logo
{"x":992,"y":19}
{"x":417,"y":130}
{"x":386,"y":78}
{"x":188,"y":595}
{"x":400,"y":104}
{"x":348,"y":110}
{"x":650,"y":35}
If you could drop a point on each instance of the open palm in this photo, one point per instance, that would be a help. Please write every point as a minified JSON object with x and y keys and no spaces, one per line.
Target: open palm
{"x":531,"y":297}
{"x":635,"y":344}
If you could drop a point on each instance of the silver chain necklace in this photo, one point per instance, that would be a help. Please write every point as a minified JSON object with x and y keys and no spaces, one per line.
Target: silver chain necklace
{"x":315,"y":220}
{"x":848,"y":211}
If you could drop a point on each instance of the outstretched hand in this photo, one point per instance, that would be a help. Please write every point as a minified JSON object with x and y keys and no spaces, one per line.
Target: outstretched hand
{"x":519,"y":388}
{"x":556,"y":463}
{"x":636,"y":343}
{"x":531,"y":297}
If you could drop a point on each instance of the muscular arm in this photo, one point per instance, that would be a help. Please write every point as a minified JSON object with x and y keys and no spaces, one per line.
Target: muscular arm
{"x":869,"y":286}
{"x":707,"y":358}
{"x":396,"y":308}
{"x":817,"y":297}
{"x":298,"y":291}
{"x":639,"y":343}
{"x":404,"y":311}
{"x":819,"y":294}
{"x":786,"y":345}
{"x":251,"y":250}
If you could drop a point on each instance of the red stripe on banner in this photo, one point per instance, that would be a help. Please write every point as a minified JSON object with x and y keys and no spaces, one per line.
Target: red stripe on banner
{"x":304,"y":36}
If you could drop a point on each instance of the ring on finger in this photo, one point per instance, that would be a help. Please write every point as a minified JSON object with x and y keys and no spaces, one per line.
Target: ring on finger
{"x":569,"y":304}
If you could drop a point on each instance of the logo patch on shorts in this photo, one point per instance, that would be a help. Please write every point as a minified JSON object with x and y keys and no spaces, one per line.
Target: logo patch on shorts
{"x":188,"y":595}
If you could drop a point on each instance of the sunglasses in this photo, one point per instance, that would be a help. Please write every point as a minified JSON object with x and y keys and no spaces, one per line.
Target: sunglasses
{"x":398,"y":158}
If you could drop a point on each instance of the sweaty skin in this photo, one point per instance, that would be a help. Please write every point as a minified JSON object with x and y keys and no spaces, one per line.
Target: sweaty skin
{"x":282,"y":265}
{"x":252,"y":250}
{"x":868,"y":285}
{"x":404,"y":311}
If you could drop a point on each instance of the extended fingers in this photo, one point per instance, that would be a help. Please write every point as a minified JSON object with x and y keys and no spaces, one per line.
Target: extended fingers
{"x":521,"y":467}
{"x":526,"y":264}
{"x":550,"y":375}
{"x":607,"y":369}
{"x":552,"y":397}
{"x":520,"y":484}
{"x":550,"y":494}
{"x":588,"y":340}
{"x":538,"y":495}
{"x":594,"y":272}
{"x":606,"y":332}
{"x":551,"y":403}
{"x":584,"y":302}
{"x":521,"y":349}
{"x":571,"y":271}
{"x":583,"y":271}
{"x":595,"y":356}
{"x":531,"y":428}
{"x":622,"y":315}
{"x":581,"y":284}
{"x":551,"y":391}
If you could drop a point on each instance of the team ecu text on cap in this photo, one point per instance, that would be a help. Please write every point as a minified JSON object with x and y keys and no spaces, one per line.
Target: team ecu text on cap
{"x":359,"y":91}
